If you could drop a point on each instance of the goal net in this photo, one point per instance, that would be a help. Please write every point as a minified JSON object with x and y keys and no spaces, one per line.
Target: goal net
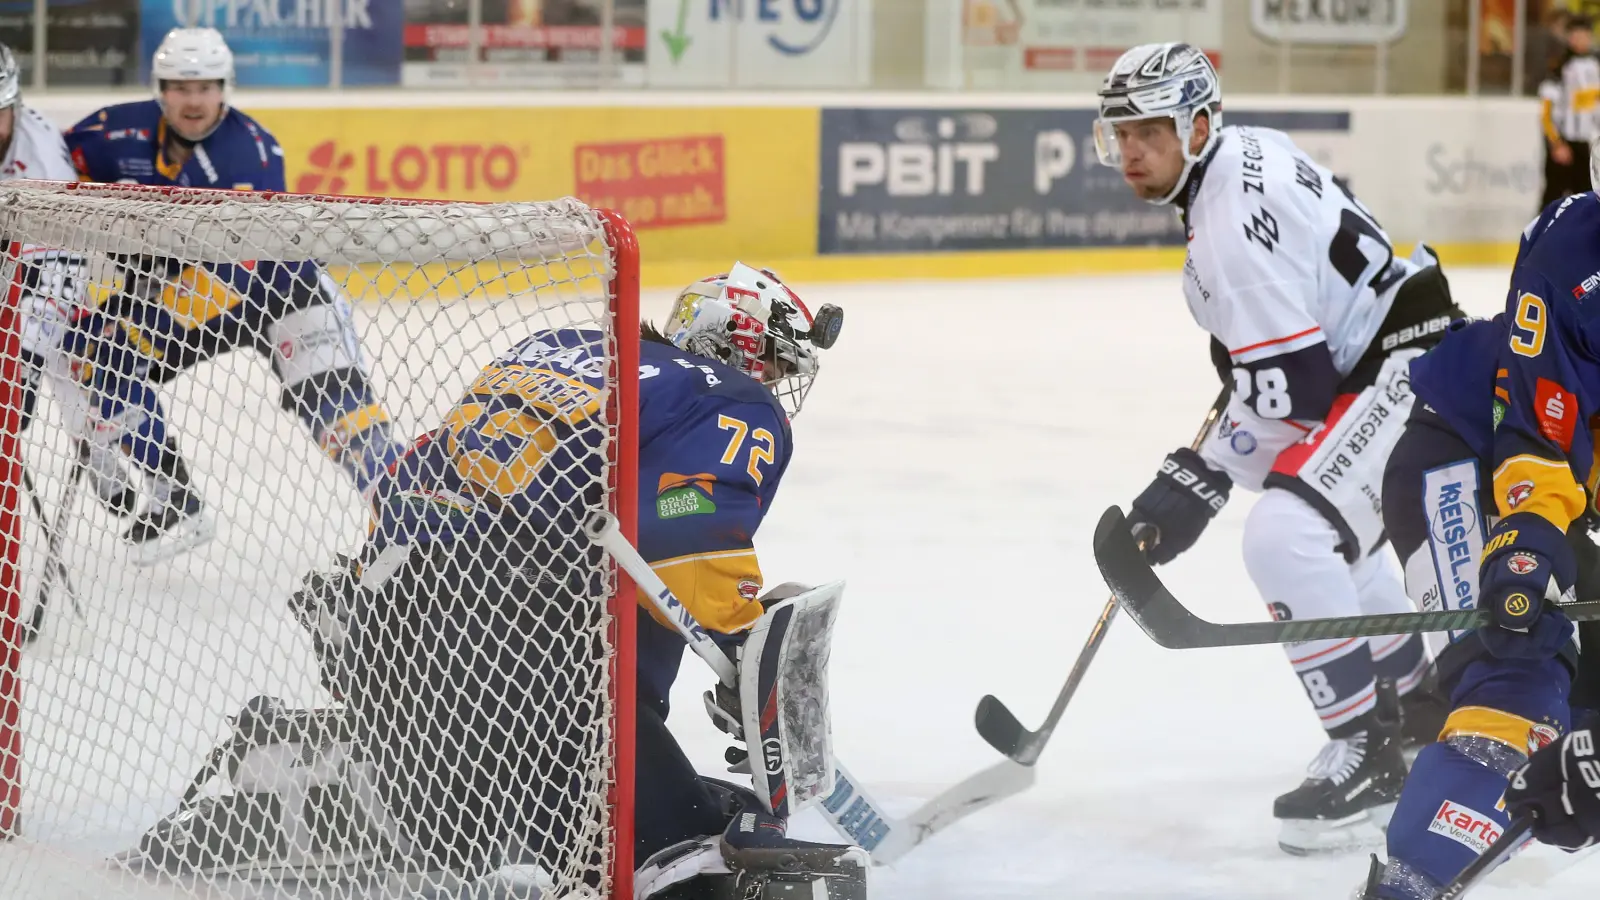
{"x":265,"y":383}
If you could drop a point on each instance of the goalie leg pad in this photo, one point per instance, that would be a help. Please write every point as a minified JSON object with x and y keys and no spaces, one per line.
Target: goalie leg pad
{"x":296,"y":799}
{"x":783,"y":699}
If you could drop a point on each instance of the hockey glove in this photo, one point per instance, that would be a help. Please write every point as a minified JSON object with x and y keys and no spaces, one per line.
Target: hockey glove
{"x":1172,"y":512}
{"x":323,"y":606}
{"x":1528,"y":570}
{"x":1559,"y":788}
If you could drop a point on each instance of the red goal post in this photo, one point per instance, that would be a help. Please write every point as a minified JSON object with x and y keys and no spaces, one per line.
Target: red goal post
{"x":443,"y":271}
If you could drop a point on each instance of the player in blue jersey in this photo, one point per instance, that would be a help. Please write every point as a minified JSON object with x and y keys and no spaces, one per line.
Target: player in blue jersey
{"x":170,"y":315}
{"x":448,"y":653}
{"x":1484,"y":500}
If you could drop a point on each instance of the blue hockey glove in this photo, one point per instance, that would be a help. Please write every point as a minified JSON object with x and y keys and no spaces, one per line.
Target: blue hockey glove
{"x":1185,"y":496}
{"x":1560,"y":788}
{"x":1528,"y":568}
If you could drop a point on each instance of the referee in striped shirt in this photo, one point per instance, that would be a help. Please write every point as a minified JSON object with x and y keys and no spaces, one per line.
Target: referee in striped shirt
{"x":1570,"y":113}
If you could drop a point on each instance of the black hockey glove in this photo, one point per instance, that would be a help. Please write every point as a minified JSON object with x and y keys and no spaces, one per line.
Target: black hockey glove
{"x":1559,"y":788}
{"x":722,"y":705}
{"x":1527,"y":571}
{"x":323,"y":606}
{"x":1172,"y":512}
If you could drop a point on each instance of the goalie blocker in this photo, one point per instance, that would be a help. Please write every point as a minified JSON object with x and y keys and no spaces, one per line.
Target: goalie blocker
{"x":426,"y":769}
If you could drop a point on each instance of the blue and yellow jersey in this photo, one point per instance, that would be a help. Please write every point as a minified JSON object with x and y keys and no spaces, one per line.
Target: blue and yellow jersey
{"x":1540,"y":358}
{"x":514,"y":460}
{"x":125,"y":143}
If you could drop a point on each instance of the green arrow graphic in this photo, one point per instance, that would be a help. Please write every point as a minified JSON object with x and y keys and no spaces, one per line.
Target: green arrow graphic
{"x":678,"y":40}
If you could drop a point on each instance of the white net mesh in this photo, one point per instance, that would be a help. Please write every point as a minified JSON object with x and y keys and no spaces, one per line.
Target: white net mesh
{"x":214,"y":388}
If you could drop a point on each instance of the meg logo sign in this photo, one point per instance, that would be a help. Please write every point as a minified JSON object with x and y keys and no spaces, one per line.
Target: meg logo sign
{"x":760,"y":43}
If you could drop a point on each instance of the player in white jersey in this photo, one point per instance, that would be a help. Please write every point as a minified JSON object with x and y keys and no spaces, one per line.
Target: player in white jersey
{"x":1313,"y":322}
{"x":31,"y":147}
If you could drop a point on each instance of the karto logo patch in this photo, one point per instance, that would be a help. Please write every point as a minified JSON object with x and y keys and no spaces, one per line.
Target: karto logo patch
{"x":328,"y":168}
{"x":1465,"y":826}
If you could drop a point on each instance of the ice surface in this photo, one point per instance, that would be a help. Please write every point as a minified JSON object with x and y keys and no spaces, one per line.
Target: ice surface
{"x":951,"y":463}
{"x":961,"y":442}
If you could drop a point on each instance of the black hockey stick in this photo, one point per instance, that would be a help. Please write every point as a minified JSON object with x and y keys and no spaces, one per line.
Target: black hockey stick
{"x":1149,"y":603}
{"x":54,"y":566}
{"x":999,"y":725}
{"x":1502,"y":848}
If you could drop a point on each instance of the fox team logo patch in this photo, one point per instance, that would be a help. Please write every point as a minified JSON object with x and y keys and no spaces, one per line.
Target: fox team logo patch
{"x":1517,"y":493}
{"x":1521,"y":564}
{"x":1465,"y":826}
{"x":1540,"y":736}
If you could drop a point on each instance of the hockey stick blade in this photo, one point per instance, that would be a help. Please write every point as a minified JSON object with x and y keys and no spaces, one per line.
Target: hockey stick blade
{"x":999,"y":725}
{"x":1502,"y":848}
{"x":977,"y":792}
{"x":1001,"y":728}
{"x":1170,"y":624}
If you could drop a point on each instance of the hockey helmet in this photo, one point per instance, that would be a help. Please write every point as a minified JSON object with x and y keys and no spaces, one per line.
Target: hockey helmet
{"x":10,"y":78}
{"x":750,"y":320}
{"x":193,"y":54}
{"x":1172,"y":80}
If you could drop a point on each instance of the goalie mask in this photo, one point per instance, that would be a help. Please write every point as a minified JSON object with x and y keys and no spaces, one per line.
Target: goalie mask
{"x":750,"y":320}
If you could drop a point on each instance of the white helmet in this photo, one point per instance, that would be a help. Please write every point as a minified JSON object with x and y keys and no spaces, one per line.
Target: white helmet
{"x":10,"y":78}
{"x":750,"y":320}
{"x":193,"y":54}
{"x":1153,"y":80}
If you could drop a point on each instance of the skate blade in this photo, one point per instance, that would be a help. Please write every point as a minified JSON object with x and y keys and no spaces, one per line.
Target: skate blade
{"x":1363,"y":831}
{"x":186,"y":535}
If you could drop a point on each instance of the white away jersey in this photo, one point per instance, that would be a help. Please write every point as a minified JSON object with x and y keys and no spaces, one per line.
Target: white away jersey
{"x":52,"y":286}
{"x":37,"y":150}
{"x":1289,"y":272}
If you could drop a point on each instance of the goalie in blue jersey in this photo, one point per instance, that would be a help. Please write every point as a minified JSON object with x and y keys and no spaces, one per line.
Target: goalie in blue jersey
{"x":1489,"y":499}
{"x":171,"y":315}
{"x":454,"y":644}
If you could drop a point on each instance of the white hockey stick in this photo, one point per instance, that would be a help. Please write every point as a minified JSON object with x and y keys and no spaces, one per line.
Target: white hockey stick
{"x":855,"y":815}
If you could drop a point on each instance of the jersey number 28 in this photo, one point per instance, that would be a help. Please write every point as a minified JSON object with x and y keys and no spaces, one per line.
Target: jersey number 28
{"x":1271,"y":400}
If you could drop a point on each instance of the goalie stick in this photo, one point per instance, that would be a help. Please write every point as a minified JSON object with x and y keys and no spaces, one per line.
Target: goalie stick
{"x":1502,"y":848}
{"x":1170,"y":624}
{"x":850,"y":810}
{"x":1000,"y":726}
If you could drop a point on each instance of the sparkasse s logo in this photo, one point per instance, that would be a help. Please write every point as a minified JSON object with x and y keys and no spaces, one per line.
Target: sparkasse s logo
{"x":443,"y":170}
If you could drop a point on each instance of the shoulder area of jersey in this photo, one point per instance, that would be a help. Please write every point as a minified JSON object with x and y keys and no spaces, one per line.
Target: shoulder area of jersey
{"x":1247,"y":148}
{"x":120,"y":118}
{"x":1576,"y":210}
{"x":701,"y":375}
{"x":242,"y":119}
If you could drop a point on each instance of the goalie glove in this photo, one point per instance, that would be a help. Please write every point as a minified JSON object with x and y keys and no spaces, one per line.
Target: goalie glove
{"x":722,"y":702}
{"x":324,"y":605}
